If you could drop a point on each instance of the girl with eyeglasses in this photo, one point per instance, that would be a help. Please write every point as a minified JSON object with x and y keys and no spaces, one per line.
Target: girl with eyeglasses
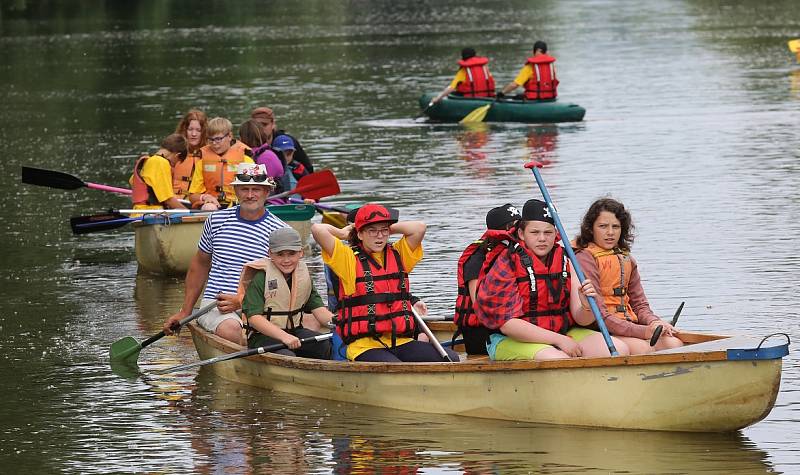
{"x":374,"y":317}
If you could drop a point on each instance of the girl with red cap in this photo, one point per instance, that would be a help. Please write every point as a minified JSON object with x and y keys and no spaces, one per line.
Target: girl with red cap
{"x":375,"y":319}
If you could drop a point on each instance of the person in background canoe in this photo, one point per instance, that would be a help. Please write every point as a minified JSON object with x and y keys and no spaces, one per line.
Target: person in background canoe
{"x":251,"y":133}
{"x":266,"y":118}
{"x":152,"y":176}
{"x":375,"y":318}
{"x":538,"y":76}
{"x":211,"y":183}
{"x":277,"y":291}
{"x":193,"y":127}
{"x":472,"y":79}
{"x":230,"y":238}
{"x":479,"y":255}
{"x":536,"y":320}
{"x":285,"y":146}
{"x":604,"y":245}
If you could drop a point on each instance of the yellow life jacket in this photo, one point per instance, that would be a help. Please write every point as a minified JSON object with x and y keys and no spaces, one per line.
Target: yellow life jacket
{"x":615,"y":268}
{"x":282,"y":306}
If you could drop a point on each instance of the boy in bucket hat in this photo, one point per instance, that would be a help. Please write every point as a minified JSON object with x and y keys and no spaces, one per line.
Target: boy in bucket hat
{"x":277,"y":291}
{"x":532,"y":300}
{"x":374,"y":317}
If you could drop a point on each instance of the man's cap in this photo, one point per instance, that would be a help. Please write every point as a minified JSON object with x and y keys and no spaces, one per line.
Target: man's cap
{"x":263,"y":114}
{"x":373,"y":213}
{"x":283,"y":142}
{"x":500,"y":217}
{"x":285,"y":239}
{"x":536,"y":210}
{"x":253,"y":170}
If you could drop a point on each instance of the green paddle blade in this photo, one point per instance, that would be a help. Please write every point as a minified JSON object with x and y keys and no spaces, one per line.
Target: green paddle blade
{"x":477,"y":115}
{"x":125,"y":349}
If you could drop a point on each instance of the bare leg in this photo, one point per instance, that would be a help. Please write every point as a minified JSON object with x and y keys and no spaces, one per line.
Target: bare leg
{"x":594,"y":346}
{"x":667,"y":342}
{"x":231,"y":330}
{"x":637,"y":346}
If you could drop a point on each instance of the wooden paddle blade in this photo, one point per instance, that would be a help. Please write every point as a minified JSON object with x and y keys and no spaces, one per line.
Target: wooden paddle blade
{"x":98,"y":222}
{"x":318,"y":185}
{"x":51,"y":179}
{"x":334,"y":219}
{"x":477,"y":115}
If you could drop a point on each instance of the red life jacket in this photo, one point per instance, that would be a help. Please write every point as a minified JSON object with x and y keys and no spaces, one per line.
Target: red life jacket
{"x":465,"y":313}
{"x":543,"y":82}
{"x":142,"y":193}
{"x":480,"y":82}
{"x":381,"y":303}
{"x":546,"y":296}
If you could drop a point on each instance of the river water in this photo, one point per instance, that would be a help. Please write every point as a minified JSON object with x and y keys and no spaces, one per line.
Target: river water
{"x":693,"y":113}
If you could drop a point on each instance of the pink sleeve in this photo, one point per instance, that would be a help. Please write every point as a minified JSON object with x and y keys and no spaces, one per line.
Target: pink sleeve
{"x":639,"y":303}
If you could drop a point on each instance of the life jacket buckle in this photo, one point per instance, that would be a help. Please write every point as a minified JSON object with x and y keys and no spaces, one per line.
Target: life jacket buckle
{"x":621,"y":308}
{"x":619,"y":291}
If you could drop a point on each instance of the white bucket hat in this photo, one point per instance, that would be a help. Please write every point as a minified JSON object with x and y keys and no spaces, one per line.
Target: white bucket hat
{"x":252,"y":174}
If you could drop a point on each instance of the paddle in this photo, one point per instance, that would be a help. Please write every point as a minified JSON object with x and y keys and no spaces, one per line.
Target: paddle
{"x":128,"y":348}
{"x":660,"y":328}
{"x":320,"y":206}
{"x":242,"y":354}
{"x":63,"y":181}
{"x":431,"y":337}
{"x":315,"y":186}
{"x":478,"y":114}
{"x":99,"y":222}
{"x":534,"y":166}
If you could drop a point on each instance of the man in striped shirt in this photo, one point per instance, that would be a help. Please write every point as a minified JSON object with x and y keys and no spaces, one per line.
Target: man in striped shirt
{"x":230,"y":238}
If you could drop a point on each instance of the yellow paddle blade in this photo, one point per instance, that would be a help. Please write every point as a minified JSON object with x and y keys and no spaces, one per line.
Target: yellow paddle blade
{"x":477,"y":115}
{"x":794,"y":46}
{"x":334,"y":219}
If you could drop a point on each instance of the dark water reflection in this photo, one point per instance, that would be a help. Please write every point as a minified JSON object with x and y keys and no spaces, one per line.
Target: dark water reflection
{"x":692,"y":122}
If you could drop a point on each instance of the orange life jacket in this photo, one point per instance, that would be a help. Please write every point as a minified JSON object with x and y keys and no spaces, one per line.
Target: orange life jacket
{"x":545,"y":288}
{"x":543,"y":82}
{"x":142,"y":193}
{"x":182,"y":173}
{"x":614,"y":267}
{"x":381,"y":303}
{"x":220,"y":171}
{"x":480,"y":82}
{"x":465,"y":312}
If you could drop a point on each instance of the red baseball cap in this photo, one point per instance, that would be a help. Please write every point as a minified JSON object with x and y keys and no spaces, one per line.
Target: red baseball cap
{"x":372,"y":213}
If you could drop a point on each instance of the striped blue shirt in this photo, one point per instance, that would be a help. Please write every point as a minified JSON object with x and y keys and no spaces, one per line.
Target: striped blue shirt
{"x":233,"y":241}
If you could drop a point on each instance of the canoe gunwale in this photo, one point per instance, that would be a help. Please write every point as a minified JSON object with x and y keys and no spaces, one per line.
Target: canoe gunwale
{"x":223,"y":345}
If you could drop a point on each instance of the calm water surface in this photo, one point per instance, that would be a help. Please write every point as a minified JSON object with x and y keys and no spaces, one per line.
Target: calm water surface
{"x":692,"y":122}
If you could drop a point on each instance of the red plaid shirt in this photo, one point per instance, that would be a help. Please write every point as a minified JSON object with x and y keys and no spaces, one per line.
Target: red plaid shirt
{"x":498,"y":299}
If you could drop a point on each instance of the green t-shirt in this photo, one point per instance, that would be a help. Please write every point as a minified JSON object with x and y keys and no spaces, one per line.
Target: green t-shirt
{"x":253,"y":303}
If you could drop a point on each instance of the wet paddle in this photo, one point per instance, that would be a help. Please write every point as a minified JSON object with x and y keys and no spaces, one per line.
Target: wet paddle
{"x":534,"y":166}
{"x":321,"y":206}
{"x":660,"y":328}
{"x":99,"y":222}
{"x":431,"y":337}
{"x":242,"y":354}
{"x":127,"y":348}
{"x":315,"y":186}
{"x":63,"y":181}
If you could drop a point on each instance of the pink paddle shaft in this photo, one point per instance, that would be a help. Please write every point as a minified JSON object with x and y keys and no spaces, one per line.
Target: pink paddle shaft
{"x":113,"y":189}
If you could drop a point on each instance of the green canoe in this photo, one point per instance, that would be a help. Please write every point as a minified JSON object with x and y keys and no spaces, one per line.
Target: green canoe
{"x":454,"y":108}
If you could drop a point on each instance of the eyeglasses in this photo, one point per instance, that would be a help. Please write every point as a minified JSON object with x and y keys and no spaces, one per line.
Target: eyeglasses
{"x":217,"y":139}
{"x":373,"y":232}
{"x":255,"y":178}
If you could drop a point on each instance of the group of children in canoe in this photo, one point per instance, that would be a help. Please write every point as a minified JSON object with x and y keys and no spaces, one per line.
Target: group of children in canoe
{"x":518,"y":296}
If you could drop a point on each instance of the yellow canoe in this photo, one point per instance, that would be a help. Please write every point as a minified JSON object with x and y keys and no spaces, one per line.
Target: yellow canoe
{"x":714,"y":384}
{"x":166,"y":244}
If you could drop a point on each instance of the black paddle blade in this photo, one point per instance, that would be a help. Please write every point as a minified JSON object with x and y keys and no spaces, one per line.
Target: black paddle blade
{"x":51,"y":179}
{"x":98,"y":222}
